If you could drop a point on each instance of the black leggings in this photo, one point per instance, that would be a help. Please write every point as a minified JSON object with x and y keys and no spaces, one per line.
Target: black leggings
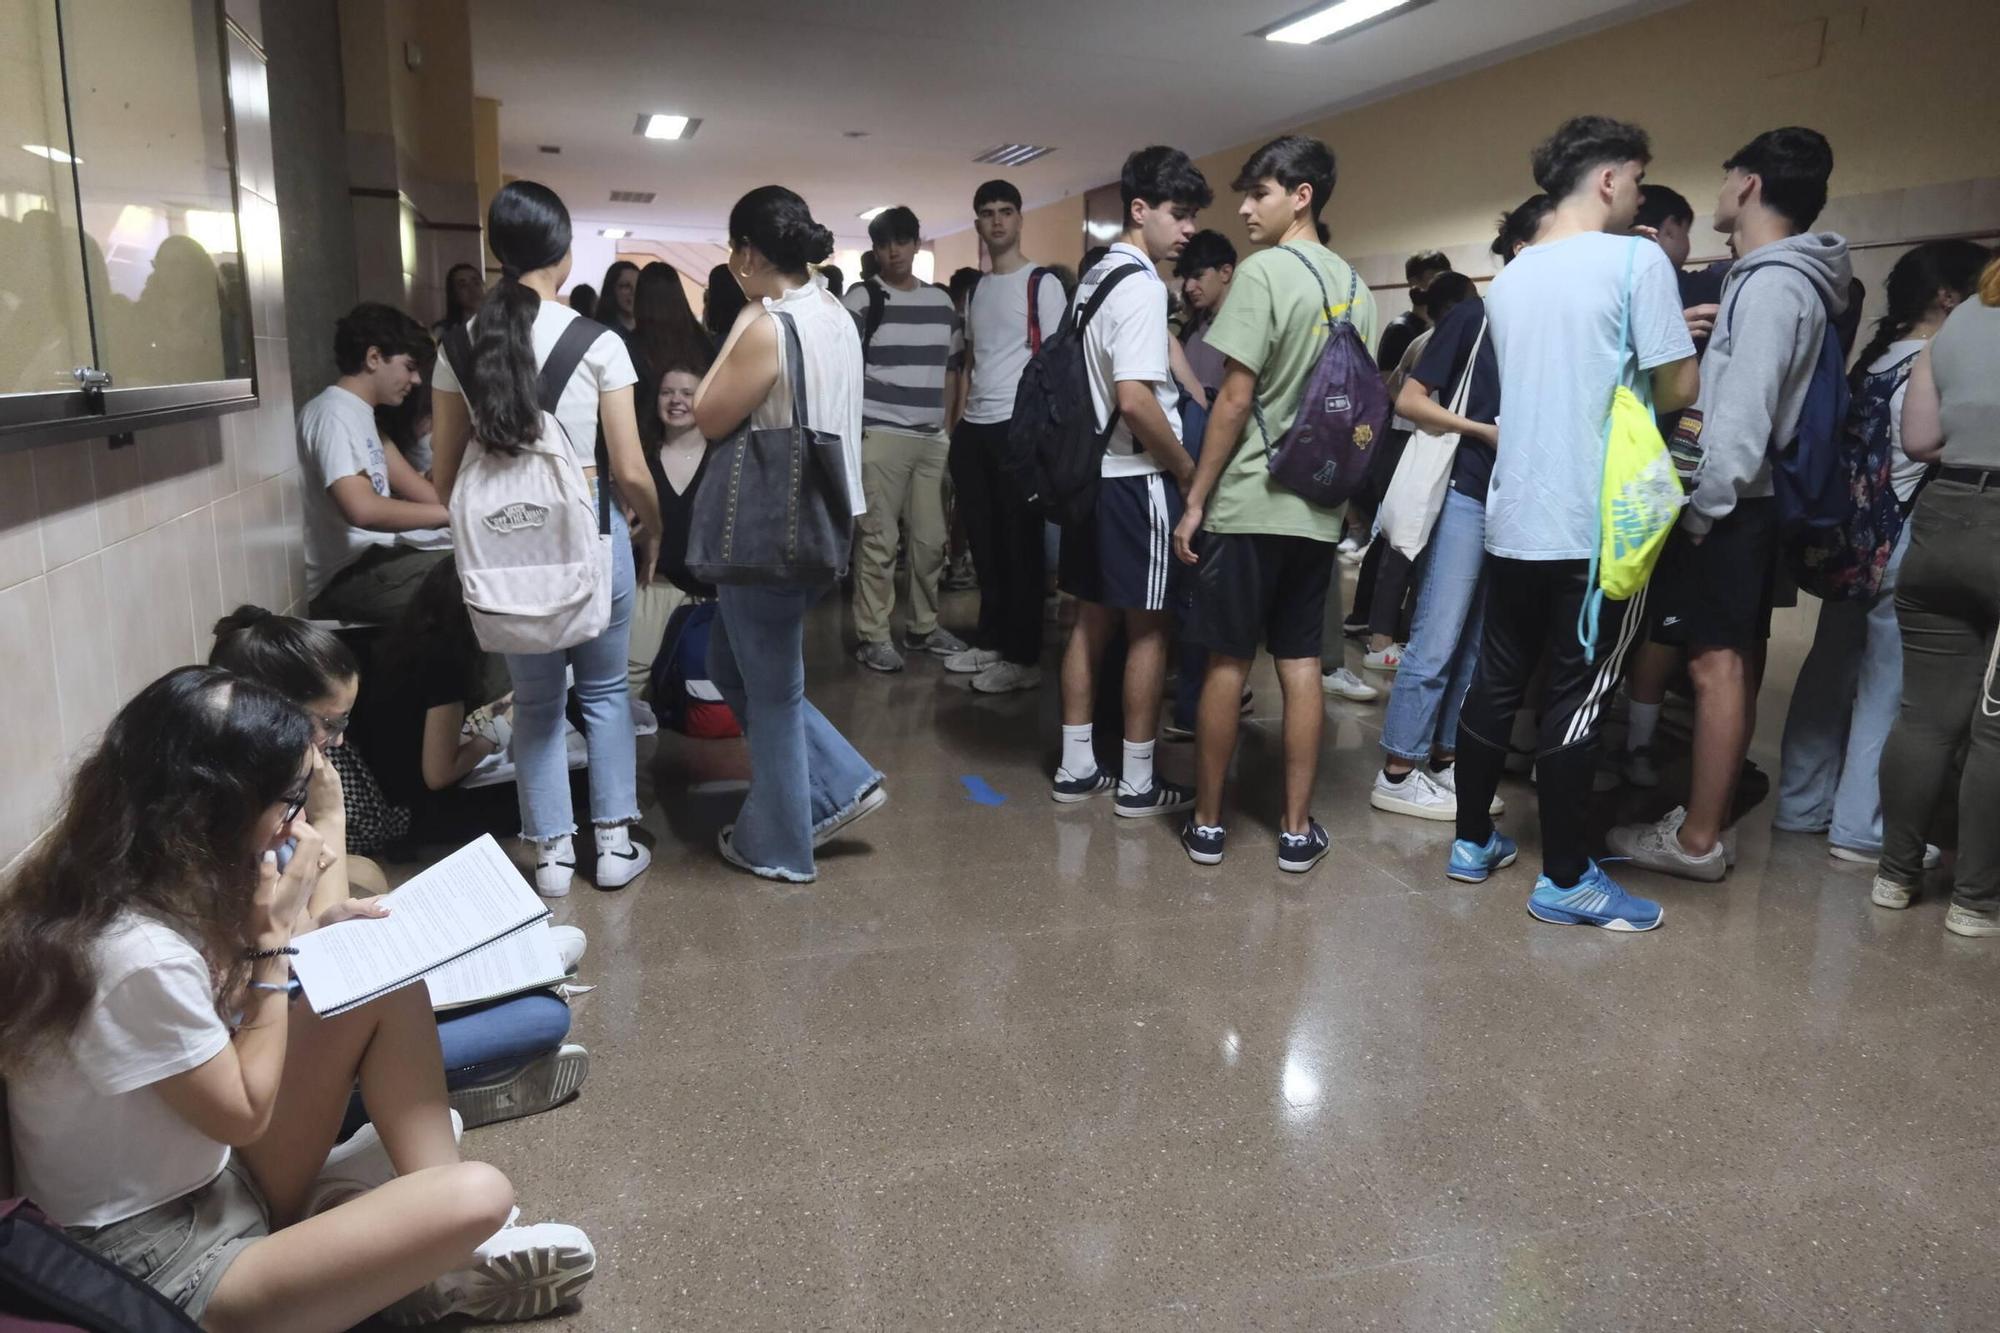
{"x":1532,"y":608}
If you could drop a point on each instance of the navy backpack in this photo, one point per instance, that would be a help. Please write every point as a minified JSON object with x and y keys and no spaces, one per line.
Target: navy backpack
{"x":1054,"y":447}
{"x":1807,"y":475}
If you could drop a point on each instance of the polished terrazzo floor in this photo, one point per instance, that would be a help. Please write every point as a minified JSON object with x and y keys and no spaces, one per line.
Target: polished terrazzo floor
{"x":1022,"y":1066}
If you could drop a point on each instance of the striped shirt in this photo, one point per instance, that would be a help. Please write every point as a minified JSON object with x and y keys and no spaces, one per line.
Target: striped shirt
{"x":919,"y":339}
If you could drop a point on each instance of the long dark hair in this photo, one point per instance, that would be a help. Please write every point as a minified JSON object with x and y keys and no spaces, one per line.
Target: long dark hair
{"x":454,"y":313}
{"x":1913,"y":287}
{"x":721,"y":303}
{"x":667,"y":331}
{"x":583,"y":300}
{"x":159,"y":819}
{"x":527,"y":228}
{"x":607,"y":294}
{"x":435,"y":631}
{"x":295,"y":657}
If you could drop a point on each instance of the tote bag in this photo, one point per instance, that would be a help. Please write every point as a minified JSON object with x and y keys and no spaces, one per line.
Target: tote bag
{"x":1415,"y":497}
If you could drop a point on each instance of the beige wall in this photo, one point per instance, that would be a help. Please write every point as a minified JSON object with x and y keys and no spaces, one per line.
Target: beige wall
{"x":1906,"y":91}
{"x":114,"y":563}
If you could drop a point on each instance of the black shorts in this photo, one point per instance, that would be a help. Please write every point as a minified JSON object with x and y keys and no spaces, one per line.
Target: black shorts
{"x":1254,"y":587}
{"x":1718,"y":594}
{"x":1123,"y":554}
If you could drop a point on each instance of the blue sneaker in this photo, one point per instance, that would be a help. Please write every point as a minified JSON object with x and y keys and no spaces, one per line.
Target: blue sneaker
{"x":1069,"y":791}
{"x":1202,"y":842}
{"x":1300,"y":852}
{"x":1471,"y":863}
{"x":1597,"y":900}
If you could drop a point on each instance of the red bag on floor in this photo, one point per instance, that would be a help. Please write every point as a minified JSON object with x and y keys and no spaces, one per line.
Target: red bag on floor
{"x":684,"y":698}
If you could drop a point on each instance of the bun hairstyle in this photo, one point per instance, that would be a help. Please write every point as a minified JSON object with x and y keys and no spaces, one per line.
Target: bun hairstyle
{"x":777,"y":224}
{"x":294,"y":657}
{"x":527,"y":228}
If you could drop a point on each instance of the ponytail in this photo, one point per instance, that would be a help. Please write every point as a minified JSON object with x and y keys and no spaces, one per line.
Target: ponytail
{"x":1913,"y":287}
{"x":528,"y":229}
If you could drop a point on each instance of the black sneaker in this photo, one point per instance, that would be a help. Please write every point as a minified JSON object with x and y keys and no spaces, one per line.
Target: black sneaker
{"x":1162,"y":798}
{"x":1069,"y":791}
{"x":1300,"y":852}
{"x":1202,"y":843}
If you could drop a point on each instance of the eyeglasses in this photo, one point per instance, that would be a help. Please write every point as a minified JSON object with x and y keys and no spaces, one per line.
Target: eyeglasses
{"x":295,"y":801}
{"x":334,"y":726}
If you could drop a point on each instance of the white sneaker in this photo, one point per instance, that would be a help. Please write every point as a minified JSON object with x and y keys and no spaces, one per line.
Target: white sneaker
{"x":1350,"y":551}
{"x":876,"y":798}
{"x":1888,"y":893}
{"x":1971,"y":924}
{"x":357,"y":1166}
{"x":1448,"y":780}
{"x":1933,"y":855}
{"x":555,"y":867}
{"x":619,"y":859}
{"x":1417,"y":795}
{"x":520,"y":1273}
{"x":1007,"y":677}
{"x":1385,"y":659}
{"x":1658,"y":847}
{"x":972,"y":661}
{"x":1344,"y":684}
{"x":644,"y":723}
{"x":547,"y":1081}
{"x":570,"y":943}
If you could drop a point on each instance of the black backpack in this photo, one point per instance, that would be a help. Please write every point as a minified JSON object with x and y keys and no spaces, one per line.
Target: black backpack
{"x":50,"y":1283}
{"x":1054,"y":446}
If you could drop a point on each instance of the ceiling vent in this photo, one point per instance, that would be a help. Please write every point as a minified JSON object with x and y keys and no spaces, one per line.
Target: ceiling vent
{"x":1012,"y":154}
{"x":551,"y":148}
{"x":632,"y":196}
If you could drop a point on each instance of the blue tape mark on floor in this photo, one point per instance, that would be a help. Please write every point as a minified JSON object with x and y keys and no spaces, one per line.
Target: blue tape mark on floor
{"x":977,"y":790}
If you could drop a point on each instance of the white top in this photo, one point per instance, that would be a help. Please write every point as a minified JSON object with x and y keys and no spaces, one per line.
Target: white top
{"x":1905,"y":472}
{"x":1127,"y":340}
{"x":832,"y":347}
{"x":93,"y":1141}
{"x":337,"y":439}
{"x":605,"y":367}
{"x":996,"y":326}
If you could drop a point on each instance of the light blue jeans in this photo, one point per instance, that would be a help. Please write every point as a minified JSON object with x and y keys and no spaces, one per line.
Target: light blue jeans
{"x":1444,"y":636}
{"x":1843,"y":707}
{"x":803,"y":773}
{"x":541,"y":757}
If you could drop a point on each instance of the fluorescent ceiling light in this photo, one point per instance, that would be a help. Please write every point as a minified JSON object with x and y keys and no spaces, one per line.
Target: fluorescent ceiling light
{"x":869,"y":215}
{"x":52,"y":154}
{"x":1328,"y":20}
{"x":615,"y":233}
{"x":667,"y":127}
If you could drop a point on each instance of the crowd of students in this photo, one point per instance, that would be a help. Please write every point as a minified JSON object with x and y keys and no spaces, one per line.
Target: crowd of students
{"x":161,"y":1076}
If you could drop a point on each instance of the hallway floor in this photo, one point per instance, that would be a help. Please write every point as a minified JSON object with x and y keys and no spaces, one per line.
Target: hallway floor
{"x":1023,"y":1066}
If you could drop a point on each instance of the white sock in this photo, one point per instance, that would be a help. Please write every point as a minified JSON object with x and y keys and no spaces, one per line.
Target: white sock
{"x":1078,"y":760}
{"x":560,"y":849}
{"x":1138,"y":768}
{"x":614,"y":841}
{"x":1640,"y":720}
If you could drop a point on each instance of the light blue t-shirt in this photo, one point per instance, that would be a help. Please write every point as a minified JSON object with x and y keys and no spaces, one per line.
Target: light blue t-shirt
{"x":1554,"y":314}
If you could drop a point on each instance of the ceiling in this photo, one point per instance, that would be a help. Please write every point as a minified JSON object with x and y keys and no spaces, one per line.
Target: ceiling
{"x":932,"y":83}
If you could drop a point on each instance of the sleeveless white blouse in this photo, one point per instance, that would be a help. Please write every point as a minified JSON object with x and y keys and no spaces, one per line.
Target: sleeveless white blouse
{"x":832,"y":347}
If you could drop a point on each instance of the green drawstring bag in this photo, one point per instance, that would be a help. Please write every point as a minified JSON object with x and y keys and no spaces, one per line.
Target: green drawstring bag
{"x":1639,"y":496}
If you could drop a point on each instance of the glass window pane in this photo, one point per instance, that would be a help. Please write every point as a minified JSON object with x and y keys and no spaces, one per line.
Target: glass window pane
{"x":44,"y":313}
{"x":148,"y":102}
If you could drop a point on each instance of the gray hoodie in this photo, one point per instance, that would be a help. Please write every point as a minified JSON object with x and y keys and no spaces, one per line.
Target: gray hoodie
{"x":1759,"y":365}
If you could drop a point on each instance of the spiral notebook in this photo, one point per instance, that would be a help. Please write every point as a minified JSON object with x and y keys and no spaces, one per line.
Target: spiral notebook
{"x":459,"y":920}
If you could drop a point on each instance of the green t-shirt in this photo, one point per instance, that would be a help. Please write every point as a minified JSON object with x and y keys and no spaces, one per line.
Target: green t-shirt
{"x":1274,"y":324}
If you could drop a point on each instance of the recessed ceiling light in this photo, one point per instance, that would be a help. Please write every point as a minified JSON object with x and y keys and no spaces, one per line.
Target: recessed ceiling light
{"x":615,"y":233}
{"x":869,"y":215}
{"x":52,"y":154}
{"x":667,"y":127}
{"x":1324,"y":21}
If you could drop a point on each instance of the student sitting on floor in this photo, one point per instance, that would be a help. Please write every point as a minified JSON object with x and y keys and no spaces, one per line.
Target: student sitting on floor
{"x":175,"y":1109}
{"x":504,"y":1059}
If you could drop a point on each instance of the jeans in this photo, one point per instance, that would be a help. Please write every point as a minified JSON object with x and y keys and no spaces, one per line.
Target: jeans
{"x":541,"y":758}
{"x":1444,"y":636}
{"x":1843,"y":707}
{"x":803,"y":773}
{"x":1947,"y":607}
{"x":485,"y":1039}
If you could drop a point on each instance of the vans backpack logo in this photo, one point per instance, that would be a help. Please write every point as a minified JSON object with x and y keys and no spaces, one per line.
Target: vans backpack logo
{"x":517,"y":517}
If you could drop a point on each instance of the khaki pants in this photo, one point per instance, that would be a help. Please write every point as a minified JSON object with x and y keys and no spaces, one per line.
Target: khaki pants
{"x":903,"y":478}
{"x":652,"y":607}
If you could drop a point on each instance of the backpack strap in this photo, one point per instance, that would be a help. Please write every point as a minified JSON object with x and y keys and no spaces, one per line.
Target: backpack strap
{"x":1593,"y":598}
{"x":878,"y":302}
{"x":1035,"y":277}
{"x":1326,"y":304}
{"x":1104,"y":286}
{"x":564,"y":358}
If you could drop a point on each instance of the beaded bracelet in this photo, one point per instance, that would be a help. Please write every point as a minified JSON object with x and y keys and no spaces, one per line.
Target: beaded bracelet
{"x":259,"y":955}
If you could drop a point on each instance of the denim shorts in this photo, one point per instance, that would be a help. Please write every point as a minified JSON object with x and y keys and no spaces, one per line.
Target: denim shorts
{"x":181,"y":1248}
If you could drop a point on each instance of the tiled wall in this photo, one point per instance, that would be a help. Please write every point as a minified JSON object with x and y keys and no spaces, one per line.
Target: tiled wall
{"x":114,"y":563}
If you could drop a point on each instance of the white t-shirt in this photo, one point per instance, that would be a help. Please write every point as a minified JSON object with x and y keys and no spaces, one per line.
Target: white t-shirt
{"x":605,"y":367}
{"x":834,"y":386}
{"x":996,"y":326}
{"x":337,"y":439}
{"x":1904,"y":472}
{"x":1127,"y":340}
{"x":93,"y":1141}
